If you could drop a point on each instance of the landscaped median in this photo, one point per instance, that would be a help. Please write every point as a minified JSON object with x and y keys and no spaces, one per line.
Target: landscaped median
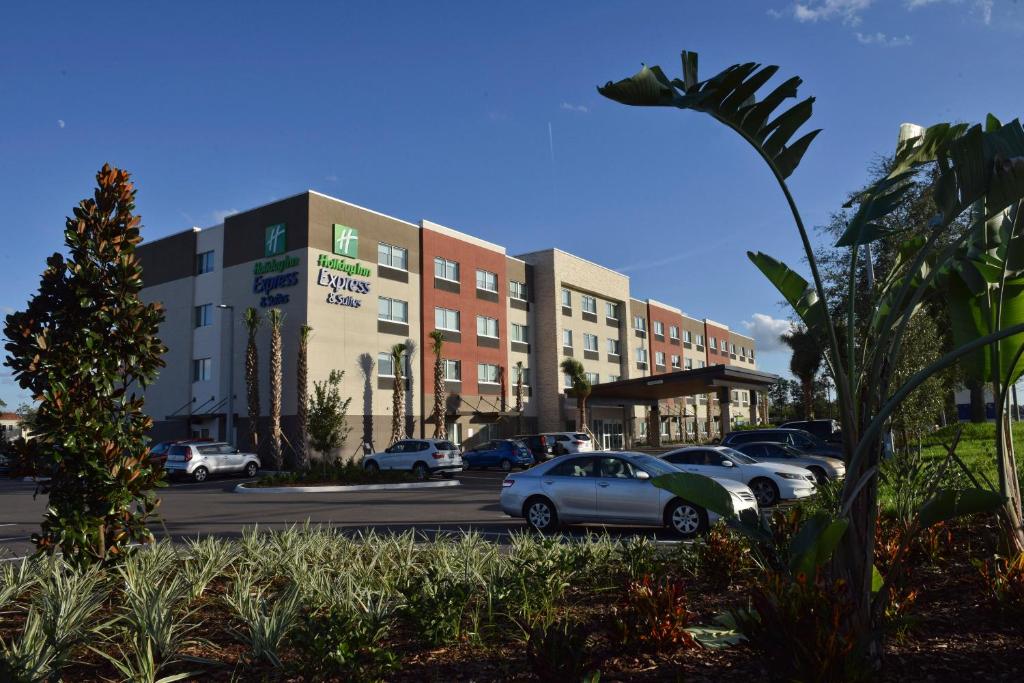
{"x":347,"y":478}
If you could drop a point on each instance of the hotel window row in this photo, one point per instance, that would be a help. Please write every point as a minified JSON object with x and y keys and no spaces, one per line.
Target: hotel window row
{"x":390,"y":256}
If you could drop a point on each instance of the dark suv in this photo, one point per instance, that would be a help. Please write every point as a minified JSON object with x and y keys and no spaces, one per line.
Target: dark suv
{"x":805,"y":442}
{"x":541,"y":446}
{"x":827,"y":430}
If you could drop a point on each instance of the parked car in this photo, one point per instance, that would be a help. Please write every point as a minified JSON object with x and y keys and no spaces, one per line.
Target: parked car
{"x":822,"y":467}
{"x":805,"y":442}
{"x":572,"y":442}
{"x":541,"y":446}
{"x":200,"y":460}
{"x":422,"y":457}
{"x":770,"y":482}
{"x":503,"y":453}
{"x":829,"y":431}
{"x":612,"y":487}
{"x":158,"y":453}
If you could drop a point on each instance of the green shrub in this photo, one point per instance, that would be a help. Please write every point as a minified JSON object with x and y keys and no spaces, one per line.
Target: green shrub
{"x":340,"y":474}
{"x":721,"y":557}
{"x":345,"y":640}
{"x":1004,"y":580}
{"x":558,"y":651}
{"x":436,"y":605}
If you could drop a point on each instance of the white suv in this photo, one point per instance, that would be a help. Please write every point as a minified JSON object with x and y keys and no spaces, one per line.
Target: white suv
{"x":571,"y":442}
{"x":200,"y":460}
{"x":422,"y":457}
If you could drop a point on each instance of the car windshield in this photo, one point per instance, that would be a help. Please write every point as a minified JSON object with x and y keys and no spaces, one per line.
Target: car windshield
{"x":805,"y":437}
{"x":653,"y":465}
{"x":736,"y":456}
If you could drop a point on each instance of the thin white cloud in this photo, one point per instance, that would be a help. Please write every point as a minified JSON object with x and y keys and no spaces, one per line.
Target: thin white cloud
{"x":60,"y":123}
{"x":766,"y":331}
{"x":331,"y":178}
{"x":879,"y":38}
{"x":583,"y":109}
{"x":848,"y":11}
{"x":983,"y":8}
{"x":775,"y":14}
{"x":220,"y":214}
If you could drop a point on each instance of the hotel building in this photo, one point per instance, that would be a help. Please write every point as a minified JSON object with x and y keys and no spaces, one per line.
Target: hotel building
{"x":364,"y":282}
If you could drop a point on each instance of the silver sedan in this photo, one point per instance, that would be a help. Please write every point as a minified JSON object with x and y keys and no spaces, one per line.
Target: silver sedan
{"x":608,"y":488}
{"x":821,"y":466}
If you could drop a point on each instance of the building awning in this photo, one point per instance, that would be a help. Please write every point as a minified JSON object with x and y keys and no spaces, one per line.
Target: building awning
{"x":641,"y":390}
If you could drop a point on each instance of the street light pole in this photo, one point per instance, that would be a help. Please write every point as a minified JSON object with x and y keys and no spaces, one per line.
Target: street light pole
{"x":231,"y":372}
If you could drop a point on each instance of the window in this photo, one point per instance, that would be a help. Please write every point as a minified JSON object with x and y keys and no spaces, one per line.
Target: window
{"x":659,"y":358}
{"x":202,"y":369}
{"x":592,"y":377}
{"x":392,"y":310}
{"x":751,"y":354}
{"x":392,"y":256}
{"x":687,"y":337}
{"x":204,"y":315}
{"x":735,"y":395}
{"x":613,"y":346}
{"x":486,"y":327}
{"x":567,"y":380}
{"x":659,"y":328}
{"x":639,"y":323}
{"x":733,"y":349}
{"x":386,"y":365}
{"x":519,"y":333}
{"x":446,"y":270}
{"x":688,"y":364}
{"x":703,"y":364}
{"x":577,"y":467}
{"x":743,"y":351}
{"x":452,"y":370}
{"x":712,"y":343}
{"x":588,"y":304}
{"x":204,"y":262}
{"x":486,"y":280}
{"x":700,"y":340}
{"x":589,"y":342}
{"x":517,"y":290}
{"x":675,"y":362}
{"x":454,"y":431}
{"x":567,"y":338}
{"x":673,"y":332}
{"x":566,"y":298}
{"x":447,"y":319}
{"x":487,"y":373}
{"x":524,"y":372}
{"x":641,"y":356}
{"x":613,"y":378}
{"x":611,"y":310}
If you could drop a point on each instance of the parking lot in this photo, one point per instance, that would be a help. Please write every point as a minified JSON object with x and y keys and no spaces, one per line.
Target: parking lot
{"x":191,"y":509}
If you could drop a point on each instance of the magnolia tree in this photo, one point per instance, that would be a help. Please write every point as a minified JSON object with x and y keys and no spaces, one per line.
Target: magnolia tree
{"x":979,"y":174}
{"x":84,"y":346}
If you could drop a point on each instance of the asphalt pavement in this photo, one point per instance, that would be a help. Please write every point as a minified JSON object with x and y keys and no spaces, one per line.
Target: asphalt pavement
{"x":189,"y":509}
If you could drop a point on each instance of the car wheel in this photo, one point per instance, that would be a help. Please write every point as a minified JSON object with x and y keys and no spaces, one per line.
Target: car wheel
{"x":200,"y":474}
{"x":686,"y":519}
{"x":506,"y":465}
{"x":250,"y":469}
{"x":819,"y":475}
{"x":765,"y":491}
{"x":372,"y":467}
{"x":419,"y":470}
{"x":540,"y":514}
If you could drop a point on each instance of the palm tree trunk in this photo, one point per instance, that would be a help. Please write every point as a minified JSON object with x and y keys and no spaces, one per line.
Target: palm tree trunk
{"x":275,"y":388}
{"x":302,"y":395}
{"x":252,"y":378}
{"x":439,"y":398}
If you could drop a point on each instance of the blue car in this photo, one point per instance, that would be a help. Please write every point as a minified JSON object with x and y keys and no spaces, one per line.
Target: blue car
{"x":503,"y":453}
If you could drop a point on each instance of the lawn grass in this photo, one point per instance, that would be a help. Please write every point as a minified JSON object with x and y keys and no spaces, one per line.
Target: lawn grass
{"x":977,"y":447}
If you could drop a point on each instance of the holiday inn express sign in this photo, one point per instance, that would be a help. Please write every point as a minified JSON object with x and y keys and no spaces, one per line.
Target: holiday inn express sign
{"x":345,"y":243}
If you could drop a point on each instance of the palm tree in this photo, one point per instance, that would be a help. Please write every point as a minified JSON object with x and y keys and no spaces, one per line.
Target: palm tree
{"x":252,"y":375}
{"x":398,"y":396}
{"x":805,"y":363}
{"x":503,"y":383}
{"x":437,"y":344}
{"x":302,"y":394}
{"x":276,"y":318}
{"x":519,"y":386}
{"x":580,"y":388}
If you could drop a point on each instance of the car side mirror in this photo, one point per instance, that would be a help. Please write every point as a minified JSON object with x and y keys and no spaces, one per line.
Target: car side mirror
{"x":642,"y":475}
{"x":727,"y":463}
{"x":237,"y":451}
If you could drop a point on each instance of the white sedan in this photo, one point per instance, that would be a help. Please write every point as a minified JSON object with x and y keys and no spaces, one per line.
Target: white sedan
{"x":608,"y":488}
{"x":770,"y":481}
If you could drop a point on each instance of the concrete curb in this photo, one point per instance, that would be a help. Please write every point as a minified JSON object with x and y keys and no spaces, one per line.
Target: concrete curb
{"x":242,"y":488}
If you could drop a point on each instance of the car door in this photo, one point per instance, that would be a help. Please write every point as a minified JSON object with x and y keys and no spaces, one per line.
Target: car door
{"x":413,"y":452}
{"x":572,"y":487}
{"x":391,"y":458}
{"x":622,"y":497}
{"x":233,"y":459}
{"x":714,"y":466}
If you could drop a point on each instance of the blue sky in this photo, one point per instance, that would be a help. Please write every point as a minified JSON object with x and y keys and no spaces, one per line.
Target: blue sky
{"x":481,"y":117}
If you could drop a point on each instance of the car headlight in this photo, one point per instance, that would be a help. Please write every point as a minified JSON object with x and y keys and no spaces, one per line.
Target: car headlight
{"x":787,"y":475}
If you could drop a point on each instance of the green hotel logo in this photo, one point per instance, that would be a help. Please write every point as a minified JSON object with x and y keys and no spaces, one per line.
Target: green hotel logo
{"x":274,"y":240}
{"x":346,"y":241}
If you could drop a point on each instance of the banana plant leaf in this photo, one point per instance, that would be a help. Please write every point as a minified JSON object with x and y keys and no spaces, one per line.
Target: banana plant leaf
{"x":815,"y":542}
{"x":947,"y":505}
{"x":731,"y":97}
{"x":876,"y":203}
{"x":795,"y":289}
{"x":699,"y":490}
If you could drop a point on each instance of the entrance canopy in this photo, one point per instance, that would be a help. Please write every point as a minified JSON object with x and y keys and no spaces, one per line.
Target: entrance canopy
{"x":709,"y":380}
